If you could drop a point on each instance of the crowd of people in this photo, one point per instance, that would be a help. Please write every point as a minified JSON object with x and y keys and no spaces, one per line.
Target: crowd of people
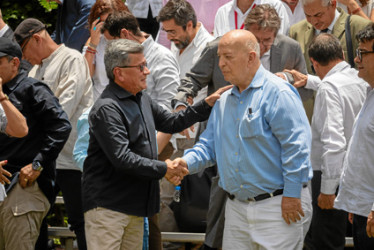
{"x":259,"y":109}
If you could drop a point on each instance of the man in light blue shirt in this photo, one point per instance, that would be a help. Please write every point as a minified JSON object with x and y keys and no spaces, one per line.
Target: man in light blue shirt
{"x":259,"y":136}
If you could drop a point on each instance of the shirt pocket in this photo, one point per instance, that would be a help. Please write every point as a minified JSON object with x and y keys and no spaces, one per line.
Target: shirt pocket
{"x":252,"y":125}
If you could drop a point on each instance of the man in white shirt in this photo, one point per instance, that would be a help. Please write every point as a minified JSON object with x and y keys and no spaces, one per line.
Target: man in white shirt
{"x":231,"y":16}
{"x":294,"y":10}
{"x":189,"y":38}
{"x":338,"y":101}
{"x":356,"y":191}
{"x":66,"y":73}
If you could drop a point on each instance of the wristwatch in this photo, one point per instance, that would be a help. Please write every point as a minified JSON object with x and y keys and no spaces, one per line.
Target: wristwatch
{"x":37,"y":166}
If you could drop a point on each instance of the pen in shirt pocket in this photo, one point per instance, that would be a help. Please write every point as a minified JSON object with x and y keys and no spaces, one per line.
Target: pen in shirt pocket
{"x":249,"y":112}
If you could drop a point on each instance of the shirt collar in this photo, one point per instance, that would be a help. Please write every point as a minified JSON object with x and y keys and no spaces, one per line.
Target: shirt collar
{"x":338,"y":68}
{"x":331,"y":26}
{"x":120,"y":92}
{"x":3,"y":30}
{"x":52,"y":56}
{"x":257,"y":81}
{"x":12,"y":84}
{"x":147,"y":44}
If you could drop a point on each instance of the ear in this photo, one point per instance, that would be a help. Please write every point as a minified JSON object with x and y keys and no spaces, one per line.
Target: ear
{"x":37,"y":38}
{"x":124,"y":34}
{"x":333,"y":3}
{"x":189,"y":25}
{"x":118,"y":75}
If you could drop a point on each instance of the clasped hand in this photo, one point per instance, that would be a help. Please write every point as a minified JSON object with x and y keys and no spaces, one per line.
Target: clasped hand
{"x":176,"y":170}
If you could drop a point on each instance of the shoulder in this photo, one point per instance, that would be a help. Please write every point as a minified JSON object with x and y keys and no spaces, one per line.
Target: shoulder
{"x":224,"y":8}
{"x":285,"y":41}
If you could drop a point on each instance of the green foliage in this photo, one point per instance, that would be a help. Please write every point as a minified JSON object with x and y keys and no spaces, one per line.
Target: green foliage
{"x":15,"y":11}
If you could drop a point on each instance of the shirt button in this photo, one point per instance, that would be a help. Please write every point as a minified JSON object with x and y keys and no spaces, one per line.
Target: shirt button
{"x":241,"y":102}
{"x":236,"y":170}
{"x":237,"y":136}
{"x":241,"y":186}
{"x":237,"y":119}
{"x":236,"y":153}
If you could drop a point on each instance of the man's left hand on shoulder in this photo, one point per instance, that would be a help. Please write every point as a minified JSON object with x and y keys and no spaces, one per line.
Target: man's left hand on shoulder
{"x":28,"y":175}
{"x":291,"y":209}
{"x":326,"y":201}
{"x":211,"y":100}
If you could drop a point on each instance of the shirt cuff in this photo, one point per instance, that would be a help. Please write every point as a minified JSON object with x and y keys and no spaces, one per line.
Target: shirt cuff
{"x":372,"y":209}
{"x":313,"y":82}
{"x":292,"y":189}
{"x":179,"y":103}
{"x":329,"y":186}
{"x":192,"y":167}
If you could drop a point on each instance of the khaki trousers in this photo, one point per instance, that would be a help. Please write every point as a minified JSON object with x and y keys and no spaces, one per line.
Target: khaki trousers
{"x":111,"y":230}
{"x":21,"y":214}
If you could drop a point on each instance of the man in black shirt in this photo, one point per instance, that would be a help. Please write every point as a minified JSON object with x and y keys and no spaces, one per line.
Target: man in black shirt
{"x":121,"y":173}
{"x":31,"y":160}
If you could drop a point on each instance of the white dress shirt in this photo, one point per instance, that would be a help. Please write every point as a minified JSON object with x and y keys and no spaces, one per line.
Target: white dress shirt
{"x":163,"y":81}
{"x":338,"y":101}
{"x":225,"y":17}
{"x":140,"y":8}
{"x":298,"y":14}
{"x":356,"y":190}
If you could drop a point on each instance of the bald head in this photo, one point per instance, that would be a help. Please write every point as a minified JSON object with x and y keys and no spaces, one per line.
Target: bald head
{"x":239,"y":55}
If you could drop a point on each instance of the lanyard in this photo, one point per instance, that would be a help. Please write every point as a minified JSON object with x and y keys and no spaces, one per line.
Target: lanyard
{"x":236,"y":18}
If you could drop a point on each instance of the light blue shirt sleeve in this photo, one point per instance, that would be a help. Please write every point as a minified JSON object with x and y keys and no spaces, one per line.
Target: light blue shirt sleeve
{"x":3,"y":120}
{"x":83,"y":137}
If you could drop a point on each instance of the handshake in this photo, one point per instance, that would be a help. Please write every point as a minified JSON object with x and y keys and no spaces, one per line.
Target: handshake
{"x":176,"y":170}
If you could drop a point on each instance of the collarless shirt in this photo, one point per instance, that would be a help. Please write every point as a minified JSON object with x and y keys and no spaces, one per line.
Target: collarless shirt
{"x":356,"y":190}
{"x":163,"y":81}
{"x":225,"y":17}
{"x":339,"y":99}
{"x":260,"y":139}
{"x":66,"y":72}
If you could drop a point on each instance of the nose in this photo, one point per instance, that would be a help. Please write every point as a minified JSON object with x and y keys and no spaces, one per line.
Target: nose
{"x":356,"y":60}
{"x":146,"y":71}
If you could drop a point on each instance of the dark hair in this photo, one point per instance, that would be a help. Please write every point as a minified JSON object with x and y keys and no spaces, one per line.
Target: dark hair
{"x":325,"y":48}
{"x":180,"y":10}
{"x":102,"y":7}
{"x":265,"y":16}
{"x":117,"y":21}
{"x":366,"y":34}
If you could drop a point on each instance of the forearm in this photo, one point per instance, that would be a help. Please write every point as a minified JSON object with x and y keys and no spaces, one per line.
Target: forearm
{"x":16,"y":125}
{"x":162,"y":141}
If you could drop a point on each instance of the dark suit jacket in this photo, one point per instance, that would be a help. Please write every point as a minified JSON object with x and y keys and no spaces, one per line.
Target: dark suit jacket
{"x":9,"y":34}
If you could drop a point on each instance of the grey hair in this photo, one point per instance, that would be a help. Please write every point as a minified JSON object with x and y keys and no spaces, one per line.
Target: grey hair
{"x":117,"y":54}
{"x":323,"y":2}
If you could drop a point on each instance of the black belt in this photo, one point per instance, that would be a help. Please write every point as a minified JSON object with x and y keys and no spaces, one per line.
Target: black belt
{"x":261,"y":197}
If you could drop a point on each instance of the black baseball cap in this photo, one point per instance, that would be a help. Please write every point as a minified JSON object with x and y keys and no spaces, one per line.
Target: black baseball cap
{"x":9,"y":48}
{"x":27,"y":28}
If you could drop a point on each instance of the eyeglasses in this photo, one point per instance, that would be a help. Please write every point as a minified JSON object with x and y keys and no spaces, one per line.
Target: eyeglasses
{"x":140,"y":66}
{"x":359,"y":53}
{"x":25,"y":43}
{"x":170,"y":32}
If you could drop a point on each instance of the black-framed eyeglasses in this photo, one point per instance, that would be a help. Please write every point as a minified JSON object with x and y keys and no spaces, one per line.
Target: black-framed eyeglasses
{"x":360,"y":52}
{"x":25,"y":43}
{"x":140,"y":66}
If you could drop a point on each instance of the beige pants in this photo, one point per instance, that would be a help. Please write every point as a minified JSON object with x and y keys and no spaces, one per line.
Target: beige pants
{"x":21,"y":215}
{"x":111,"y":230}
